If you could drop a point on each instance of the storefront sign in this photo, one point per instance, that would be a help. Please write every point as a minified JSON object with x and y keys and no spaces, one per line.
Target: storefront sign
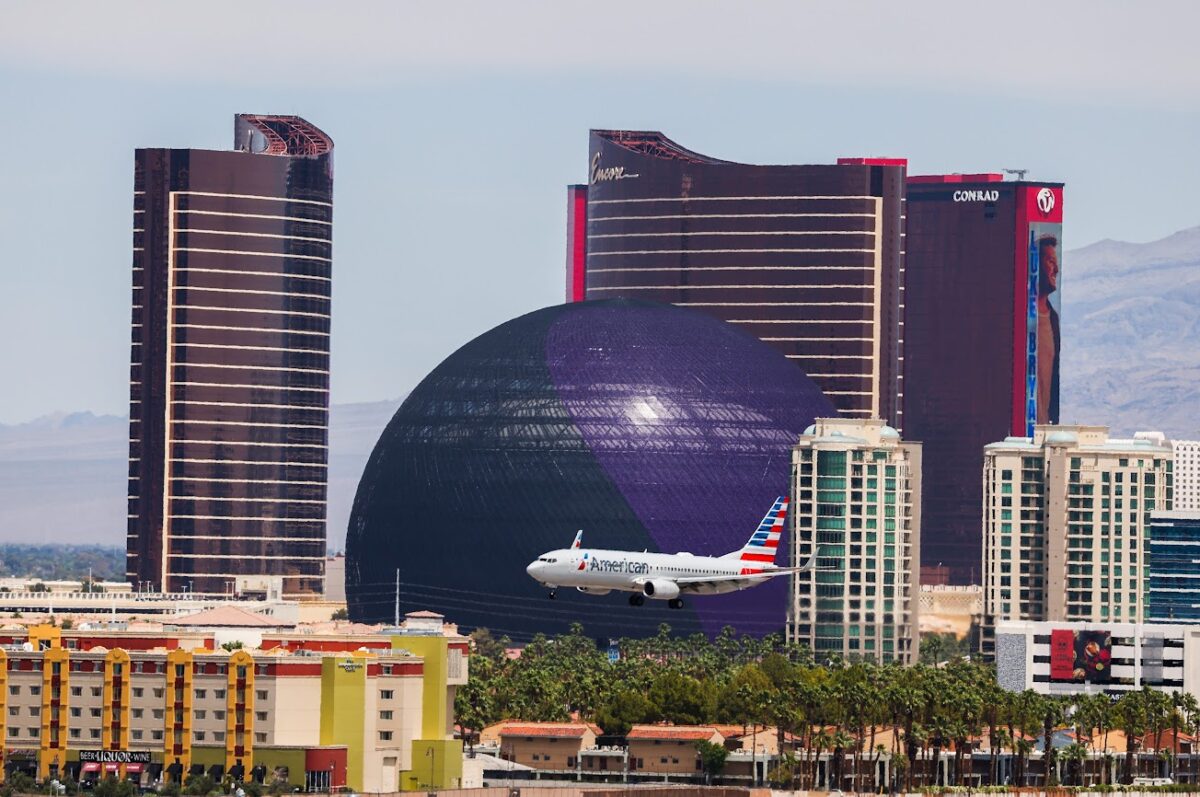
{"x":115,"y":756}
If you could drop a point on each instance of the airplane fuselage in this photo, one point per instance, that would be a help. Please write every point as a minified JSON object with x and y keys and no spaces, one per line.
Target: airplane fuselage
{"x":599,"y":571}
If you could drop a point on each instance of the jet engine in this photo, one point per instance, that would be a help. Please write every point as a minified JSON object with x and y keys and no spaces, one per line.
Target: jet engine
{"x":660,"y":589}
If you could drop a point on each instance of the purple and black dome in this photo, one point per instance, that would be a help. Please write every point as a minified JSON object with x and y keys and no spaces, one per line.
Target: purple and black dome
{"x":646,"y":425}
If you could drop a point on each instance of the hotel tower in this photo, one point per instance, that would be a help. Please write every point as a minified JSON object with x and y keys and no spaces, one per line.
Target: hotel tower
{"x":229,"y":374}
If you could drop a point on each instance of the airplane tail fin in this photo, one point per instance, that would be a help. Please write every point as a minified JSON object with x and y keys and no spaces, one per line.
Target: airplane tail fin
{"x":764,"y":542}
{"x":578,"y":539}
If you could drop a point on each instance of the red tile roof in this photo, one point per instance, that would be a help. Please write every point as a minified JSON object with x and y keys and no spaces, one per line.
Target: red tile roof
{"x":684,"y":733}
{"x":547,"y":730}
{"x":226,"y":617}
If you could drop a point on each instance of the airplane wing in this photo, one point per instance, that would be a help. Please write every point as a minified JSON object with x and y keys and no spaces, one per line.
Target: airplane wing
{"x":691,"y":584}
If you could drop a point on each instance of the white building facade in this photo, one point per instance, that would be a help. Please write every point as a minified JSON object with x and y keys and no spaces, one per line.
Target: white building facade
{"x":1187,"y":474}
{"x":1074,"y":658}
{"x":856,"y":498}
{"x":1066,"y":517}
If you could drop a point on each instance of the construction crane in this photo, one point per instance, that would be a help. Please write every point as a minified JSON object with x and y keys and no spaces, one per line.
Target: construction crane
{"x":1020,"y":173}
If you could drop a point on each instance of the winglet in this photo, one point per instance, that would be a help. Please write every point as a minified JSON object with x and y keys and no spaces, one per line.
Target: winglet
{"x":578,"y":540}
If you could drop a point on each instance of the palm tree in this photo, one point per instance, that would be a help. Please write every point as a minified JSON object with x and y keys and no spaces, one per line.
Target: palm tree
{"x":999,"y":741}
{"x":818,"y":743}
{"x":1074,"y":754}
{"x":1159,"y":710}
{"x":901,"y":700}
{"x":1022,"y":747}
{"x":1131,"y":715}
{"x":916,"y":740}
{"x":967,"y":708}
{"x":990,"y":696}
{"x":1191,"y":714}
{"x":1179,"y":712}
{"x":1091,"y":718}
{"x":879,"y":750}
{"x":1029,"y":713}
{"x":1053,"y":712}
{"x":839,"y":741}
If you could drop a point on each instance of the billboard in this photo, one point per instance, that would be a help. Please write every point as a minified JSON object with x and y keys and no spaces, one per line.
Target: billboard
{"x":1081,"y":656}
{"x":1039,"y":227}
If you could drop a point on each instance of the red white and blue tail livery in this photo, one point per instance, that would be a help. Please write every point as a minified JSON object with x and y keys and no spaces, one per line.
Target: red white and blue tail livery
{"x":764,"y":542}
{"x":663,"y":576}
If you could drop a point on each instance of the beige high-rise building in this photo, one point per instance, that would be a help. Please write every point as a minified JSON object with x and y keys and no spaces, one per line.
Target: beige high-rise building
{"x":856,"y":493}
{"x":1066,"y":515}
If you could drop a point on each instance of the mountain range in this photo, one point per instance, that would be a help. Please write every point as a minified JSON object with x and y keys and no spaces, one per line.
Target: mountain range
{"x":1131,"y":335}
{"x":63,"y":476}
{"x":1131,"y":360}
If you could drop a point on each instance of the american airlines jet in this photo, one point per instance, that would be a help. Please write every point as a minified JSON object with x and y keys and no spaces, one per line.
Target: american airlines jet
{"x":666,"y":576}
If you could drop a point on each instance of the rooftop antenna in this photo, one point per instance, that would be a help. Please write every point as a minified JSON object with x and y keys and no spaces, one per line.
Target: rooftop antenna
{"x":396,"y":613}
{"x":1020,"y":173}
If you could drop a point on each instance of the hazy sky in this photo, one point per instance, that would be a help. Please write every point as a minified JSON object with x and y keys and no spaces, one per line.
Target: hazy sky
{"x":458,"y":125}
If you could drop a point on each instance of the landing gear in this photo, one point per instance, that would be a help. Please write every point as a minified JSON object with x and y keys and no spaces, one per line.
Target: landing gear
{"x":636,"y":600}
{"x":675,"y":603}
{"x":553,"y":594}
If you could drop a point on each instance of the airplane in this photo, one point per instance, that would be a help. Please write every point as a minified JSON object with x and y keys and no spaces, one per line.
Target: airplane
{"x":667,"y":576}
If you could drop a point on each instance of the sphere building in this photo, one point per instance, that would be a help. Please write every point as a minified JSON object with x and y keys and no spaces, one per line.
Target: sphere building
{"x":646,"y":425}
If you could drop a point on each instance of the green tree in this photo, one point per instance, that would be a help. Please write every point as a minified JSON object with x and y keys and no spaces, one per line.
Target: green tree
{"x":341,"y":614}
{"x":683,"y":700}
{"x":18,"y":783}
{"x":487,"y":646}
{"x":779,"y":671}
{"x":838,"y":742}
{"x":1074,"y":755}
{"x":1130,"y":714}
{"x":747,"y":700}
{"x":200,"y":784}
{"x":1159,"y":708}
{"x":625,"y":709}
{"x":783,"y":775}
{"x":1053,"y":714}
{"x":112,"y":787}
{"x":712,"y":758}
{"x":933,"y":648}
{"x":474,"y":702}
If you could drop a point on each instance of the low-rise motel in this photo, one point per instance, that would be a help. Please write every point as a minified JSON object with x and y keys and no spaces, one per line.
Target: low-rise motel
{"x":367,"y":711}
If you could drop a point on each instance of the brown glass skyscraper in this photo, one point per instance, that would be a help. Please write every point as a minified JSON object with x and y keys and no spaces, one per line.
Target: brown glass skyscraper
{"x":807,"y":258}
{"x":984,"y":281}
{"x":229,"y":382}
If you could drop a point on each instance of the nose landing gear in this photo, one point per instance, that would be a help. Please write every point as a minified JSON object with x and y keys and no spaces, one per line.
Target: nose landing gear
{"x":553,"y":594}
